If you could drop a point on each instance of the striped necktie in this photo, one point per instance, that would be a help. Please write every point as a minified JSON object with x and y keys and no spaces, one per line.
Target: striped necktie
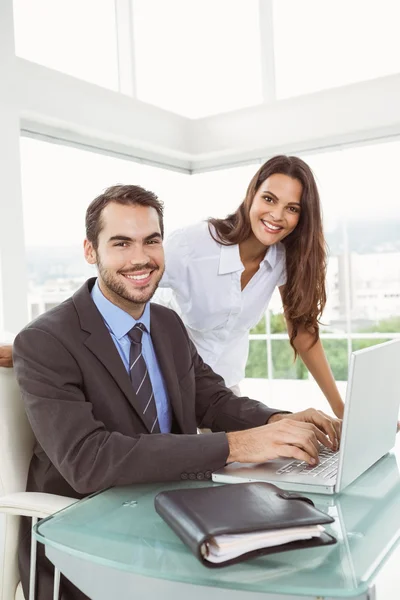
{"x":141,"y":380}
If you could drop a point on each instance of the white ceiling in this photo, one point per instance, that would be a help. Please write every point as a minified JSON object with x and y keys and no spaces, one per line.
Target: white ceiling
{"x":61,"y":107}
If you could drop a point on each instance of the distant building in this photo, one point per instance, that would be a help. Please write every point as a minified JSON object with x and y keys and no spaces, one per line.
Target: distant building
{"x":374,"y":287}
{"x":373,"y":293}
{"x":42,"y":298}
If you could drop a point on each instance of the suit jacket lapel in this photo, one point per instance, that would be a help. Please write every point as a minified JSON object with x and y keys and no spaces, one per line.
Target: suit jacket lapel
{"x":163,"y":345}
{"x":101,"y":344}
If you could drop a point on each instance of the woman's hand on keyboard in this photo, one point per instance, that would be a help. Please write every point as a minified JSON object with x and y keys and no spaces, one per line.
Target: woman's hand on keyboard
{"x":330,"y":426}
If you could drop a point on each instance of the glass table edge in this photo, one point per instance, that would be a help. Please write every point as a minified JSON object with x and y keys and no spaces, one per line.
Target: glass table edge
{"x":363,"y":586}
{"x":277,"y":589}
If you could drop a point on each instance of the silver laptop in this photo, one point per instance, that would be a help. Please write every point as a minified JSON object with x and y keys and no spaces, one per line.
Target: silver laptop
{"x":368,"y":431}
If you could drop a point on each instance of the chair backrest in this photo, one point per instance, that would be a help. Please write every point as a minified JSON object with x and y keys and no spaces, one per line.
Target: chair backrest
{"x":16,"y":447}
{"x":16,"y":437}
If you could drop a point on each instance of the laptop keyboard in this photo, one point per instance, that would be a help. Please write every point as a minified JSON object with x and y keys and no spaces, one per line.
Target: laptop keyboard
{"x":326,"y":468}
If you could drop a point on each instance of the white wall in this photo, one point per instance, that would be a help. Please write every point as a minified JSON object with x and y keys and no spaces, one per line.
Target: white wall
{"x":63,"y":106}
{"x":59,"y":105}
{"x":13,"y":301}
{"x":354,"y":113}
{"x":53,"y":103}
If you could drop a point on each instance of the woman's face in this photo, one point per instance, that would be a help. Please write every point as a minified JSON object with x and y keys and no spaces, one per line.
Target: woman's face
{"x":276,"y":207}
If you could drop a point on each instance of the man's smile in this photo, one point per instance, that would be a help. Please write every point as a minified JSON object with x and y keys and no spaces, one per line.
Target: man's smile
{"x":139,"y":278}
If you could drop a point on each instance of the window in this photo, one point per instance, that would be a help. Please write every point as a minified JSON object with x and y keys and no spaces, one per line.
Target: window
{"x":58,"y":183}
{"x":218,"y":193}
{"x":73,"y":36}
{"x":197,"y":59}
{"x":320,"y":45}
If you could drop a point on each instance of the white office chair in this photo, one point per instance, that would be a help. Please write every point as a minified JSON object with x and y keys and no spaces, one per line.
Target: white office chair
{"x":16,"y":445}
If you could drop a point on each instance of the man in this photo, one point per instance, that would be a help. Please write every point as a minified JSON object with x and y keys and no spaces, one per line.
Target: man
{"x":115,"y":390}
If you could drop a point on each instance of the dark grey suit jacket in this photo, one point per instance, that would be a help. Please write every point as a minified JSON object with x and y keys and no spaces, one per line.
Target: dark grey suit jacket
{"x":88,"y":428}
{"x":82,"y":407}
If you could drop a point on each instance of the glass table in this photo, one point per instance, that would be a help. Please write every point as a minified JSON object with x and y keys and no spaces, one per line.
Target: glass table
{"x":114,"y":544}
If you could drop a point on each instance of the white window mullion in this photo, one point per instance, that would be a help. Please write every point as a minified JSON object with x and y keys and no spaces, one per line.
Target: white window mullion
{"x":347,"y":287}
{"x":125,"y":47}
{"x":13,"y":279}
{"x":267,"y":50}
{"x":269,"y":344}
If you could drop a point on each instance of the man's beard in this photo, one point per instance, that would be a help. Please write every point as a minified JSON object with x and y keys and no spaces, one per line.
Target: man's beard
{"x":117,"y":288}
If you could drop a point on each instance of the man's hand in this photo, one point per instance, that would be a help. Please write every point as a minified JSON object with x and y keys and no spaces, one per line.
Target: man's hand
{"x":287,"y":438}
{"x":330,"y":426}
{"x":6,"y":356}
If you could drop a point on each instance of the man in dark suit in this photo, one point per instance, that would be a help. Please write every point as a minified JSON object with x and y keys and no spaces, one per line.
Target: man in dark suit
{"x":115,"y":390}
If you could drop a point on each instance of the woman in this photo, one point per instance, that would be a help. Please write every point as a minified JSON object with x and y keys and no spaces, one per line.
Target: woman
{"x":222,"y":273}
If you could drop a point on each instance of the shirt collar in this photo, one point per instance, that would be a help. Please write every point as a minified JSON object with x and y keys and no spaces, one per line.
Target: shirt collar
{"x":229,"y":259}
{"x":271,"y":256}
{"x":118,"y":321}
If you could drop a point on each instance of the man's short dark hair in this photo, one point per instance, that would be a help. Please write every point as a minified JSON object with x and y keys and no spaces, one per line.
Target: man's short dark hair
{"x":121,"y":194}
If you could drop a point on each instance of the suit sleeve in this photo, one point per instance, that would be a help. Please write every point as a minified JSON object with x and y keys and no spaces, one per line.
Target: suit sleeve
{"x":86,"y":453}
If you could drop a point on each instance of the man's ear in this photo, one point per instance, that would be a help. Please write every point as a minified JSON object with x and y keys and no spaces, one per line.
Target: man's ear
{"x":89,"y":252}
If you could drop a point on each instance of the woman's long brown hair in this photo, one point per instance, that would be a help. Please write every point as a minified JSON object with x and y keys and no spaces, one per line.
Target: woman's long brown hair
{"x":304,"y":293}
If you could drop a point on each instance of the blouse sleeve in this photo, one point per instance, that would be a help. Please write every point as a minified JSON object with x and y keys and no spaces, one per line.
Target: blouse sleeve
{"x":173,"y":287}
{"x":176,"y":263}
{"x":176,"y":259}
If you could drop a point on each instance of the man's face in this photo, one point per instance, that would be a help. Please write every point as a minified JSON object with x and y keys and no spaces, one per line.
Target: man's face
{"x":129,"y":255}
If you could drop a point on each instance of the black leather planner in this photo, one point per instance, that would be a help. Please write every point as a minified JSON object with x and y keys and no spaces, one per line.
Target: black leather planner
{"x":199,"y":515}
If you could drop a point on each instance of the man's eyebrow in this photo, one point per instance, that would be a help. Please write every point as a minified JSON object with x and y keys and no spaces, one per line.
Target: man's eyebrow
{"x":152,"y":236}
{"x":123,"y":238}
{"x":126,"y":238}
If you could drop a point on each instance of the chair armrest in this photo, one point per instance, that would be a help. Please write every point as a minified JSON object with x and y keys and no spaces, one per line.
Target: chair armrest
{"x":33,"y":504}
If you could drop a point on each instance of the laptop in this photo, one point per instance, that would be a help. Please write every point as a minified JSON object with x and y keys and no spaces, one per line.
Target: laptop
{"x":368,"y":430}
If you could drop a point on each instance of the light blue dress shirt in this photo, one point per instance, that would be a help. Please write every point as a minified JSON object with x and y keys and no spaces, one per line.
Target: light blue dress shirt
{"x":119,"y":323}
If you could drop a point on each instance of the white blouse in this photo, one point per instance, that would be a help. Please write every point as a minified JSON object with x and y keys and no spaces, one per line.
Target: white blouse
{"x":202,"y":281}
